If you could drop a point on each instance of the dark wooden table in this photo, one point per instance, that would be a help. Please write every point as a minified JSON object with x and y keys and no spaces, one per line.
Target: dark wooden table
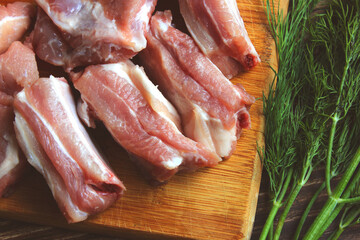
{"x":352,"y":233}
{"x":10,"y":229}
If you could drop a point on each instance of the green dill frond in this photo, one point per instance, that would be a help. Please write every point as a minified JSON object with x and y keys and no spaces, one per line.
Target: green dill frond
{"x":334,"y":74}
{"x":282,"y":115}
{"x":335,"y":49}
{"x":312,"y":109}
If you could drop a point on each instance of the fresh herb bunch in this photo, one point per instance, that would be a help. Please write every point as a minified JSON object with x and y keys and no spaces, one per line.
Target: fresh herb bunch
{"x":282,"y":115}
{"x":317,"y":88}
{"x":336,"y":34}
{"x":350,"y":215}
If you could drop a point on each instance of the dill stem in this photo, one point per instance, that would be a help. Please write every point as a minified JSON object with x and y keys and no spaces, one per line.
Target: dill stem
{"x":307,"y":210}
{"x":328,"y":212}
{"x":270,"y":235}
{"x":288,"y":205}
{"x":349,"y":200}
{"x":339,"y":207}
{"x":276,"y":205}
{"x":350,"y":217}
{"x":331,"y":218}
{"x":335,"y":120}
{"x":337,"y":234}
{"x":270,"y":219}
{"x":346,"y":221}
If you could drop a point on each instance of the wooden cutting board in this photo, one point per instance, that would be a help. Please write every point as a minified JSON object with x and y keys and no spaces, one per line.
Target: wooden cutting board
{"x":214,"y":203}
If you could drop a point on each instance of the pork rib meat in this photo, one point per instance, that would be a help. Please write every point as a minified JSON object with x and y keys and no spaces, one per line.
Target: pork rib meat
{"x":140,"y":119}
{"x":85,"y":32}
{"x":18,"y":69}
{"x":57,"y":145}
{"x":12,"y":161}
{"x":212,"y":109}
{"x":219,"y":31}
{"x":15,"y":20}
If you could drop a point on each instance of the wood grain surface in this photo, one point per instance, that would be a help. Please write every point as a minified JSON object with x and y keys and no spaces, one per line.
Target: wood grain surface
{"x":16,"y":230}
{"x":212,"y":203}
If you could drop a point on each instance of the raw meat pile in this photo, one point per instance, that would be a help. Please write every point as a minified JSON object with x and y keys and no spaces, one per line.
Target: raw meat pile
{"x":184,"y":116}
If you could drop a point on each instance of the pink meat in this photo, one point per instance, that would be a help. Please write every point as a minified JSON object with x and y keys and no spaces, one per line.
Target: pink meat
{"x":12,"y":161}
{"x":123,"y":98}
{"x":213,"y":110}
{"x":48,"y":44}
{"x":57,"y":145}
{"x":219,"y":31}
{"x":85,"y":32}
{"x":18,"y":68}
{"x":15,"y":19}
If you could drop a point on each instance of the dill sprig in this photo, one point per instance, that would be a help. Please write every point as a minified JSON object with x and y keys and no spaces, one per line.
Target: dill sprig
{"x":350,"y":217}
{"x":351,"y":213}
{"x":282,"y":115}
{"x":307,"y":112}
{"x":334,"y":54}
{"x":335,"y":45}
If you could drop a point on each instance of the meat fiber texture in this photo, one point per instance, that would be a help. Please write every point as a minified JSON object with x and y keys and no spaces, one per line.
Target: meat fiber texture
{"x":84,"y":32}
{"x":140,"y":119}
{"x":57,"y":145}
{"x":18,"y":69}
{"x":213,"y":110}
{"x":12,"y":161}
{"x":219,"y":31}
{"x":15,"y":19}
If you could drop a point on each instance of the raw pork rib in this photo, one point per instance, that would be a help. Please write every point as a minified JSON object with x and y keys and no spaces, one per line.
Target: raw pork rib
{"x":17,"y":69}
{"x":218,"y":29}
{"x":213,"y":110}
{"x":15,"y":19}
{"x":12,"y":161}
{"x":93,"y":31}
{"x":140,"y":119}
{"x":57,"y":145}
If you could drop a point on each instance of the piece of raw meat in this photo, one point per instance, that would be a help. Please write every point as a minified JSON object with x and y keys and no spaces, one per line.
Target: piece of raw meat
{"x":57,"y":145}
{"x":84,"y":32}
{"x":15,"y":19}
{"x":213,"y":110}
{"x":17,"y":69}
{"x":48,"y":44}
{"x":219,"y":31}
{"x":12,"y":161}
{"x":140,"y":119}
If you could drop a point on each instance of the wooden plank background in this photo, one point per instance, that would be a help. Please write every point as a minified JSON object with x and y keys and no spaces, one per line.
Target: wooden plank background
{"x":216,"y":203}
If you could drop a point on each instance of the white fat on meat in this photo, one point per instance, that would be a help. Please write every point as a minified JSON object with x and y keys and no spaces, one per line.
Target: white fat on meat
{"x":37,"y":158}
{"x":211,"y":132}
{"x":82,"y":140}
{"x":58,"y":146}
{"x":136,"y":76}
{"x":141,"y":119}
{"x":89,"y":21}
{"x":84,"y":113}
{"x":78,"y":22}
{"x":142,"y":19}
{"x":219,"y":31}
{"x":15,"y":19}
{"x":212,"y":109}
{"x":11,"y":156}
{"x":203,"y":38}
